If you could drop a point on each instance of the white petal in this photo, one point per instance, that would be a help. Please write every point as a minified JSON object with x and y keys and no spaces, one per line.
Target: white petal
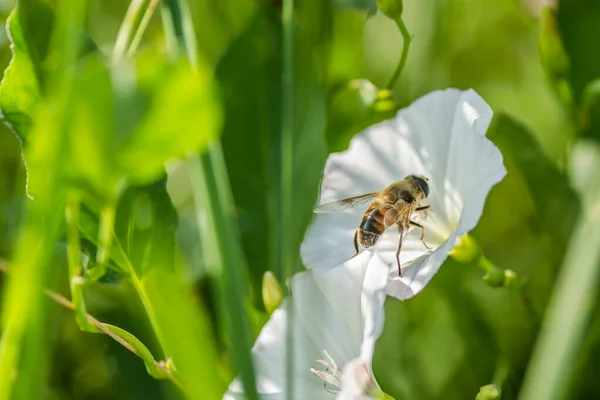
{"x":417,"y":274}
{"x":269,"y":354}
{"x":442,"y":136}
{"x":356,"y":380}
{"x":474,"y":164}
{"x":338,"y":311}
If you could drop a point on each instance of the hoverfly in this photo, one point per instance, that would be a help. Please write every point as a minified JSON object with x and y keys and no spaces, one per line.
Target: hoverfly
{"x":394,"y":205}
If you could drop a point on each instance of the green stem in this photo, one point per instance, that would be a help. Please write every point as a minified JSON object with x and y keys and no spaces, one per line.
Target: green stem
{"x":485,"y":263}
{"x":105,"y":235}
{"x":133,"y":27}
{"x":286,"y":250}
{"x":40,"y":228}
{"x":76,"y":276}
{"x":179,"y":33}
{"x":149,"y":309}
{"x":405,"y":45}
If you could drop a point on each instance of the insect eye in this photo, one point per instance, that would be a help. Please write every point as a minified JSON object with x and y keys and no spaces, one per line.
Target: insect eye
{"x":422,"y":184}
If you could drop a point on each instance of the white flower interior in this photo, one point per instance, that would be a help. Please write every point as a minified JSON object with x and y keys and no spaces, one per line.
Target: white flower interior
{"x":440,"y":136}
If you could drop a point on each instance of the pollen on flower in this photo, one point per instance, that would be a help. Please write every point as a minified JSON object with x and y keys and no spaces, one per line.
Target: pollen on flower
{"x":329,"y":373}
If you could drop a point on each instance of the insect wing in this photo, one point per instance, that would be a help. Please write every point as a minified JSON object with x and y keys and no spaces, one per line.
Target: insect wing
{"x":346,"y":203}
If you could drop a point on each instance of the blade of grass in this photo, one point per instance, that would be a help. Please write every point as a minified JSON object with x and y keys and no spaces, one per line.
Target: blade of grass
{"x":181,"y":40}
{"x":550,"y":369}
{"x":41,"y":226}
{"x":286,"y":251}
{"x":133,"y":27}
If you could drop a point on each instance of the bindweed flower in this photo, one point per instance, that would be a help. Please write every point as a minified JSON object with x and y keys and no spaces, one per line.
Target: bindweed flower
{"x":337,"y":315}
{"x":440,"y":136}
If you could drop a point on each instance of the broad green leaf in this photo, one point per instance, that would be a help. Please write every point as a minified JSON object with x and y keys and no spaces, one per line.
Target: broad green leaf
{"x":141,"y":349}
{"x":127,"y":125}
{"x":254,"y":61}
{"x":217,"y":23}
{"x":579,"y":28}
{"x":41,"y":227}
{"x":311,"y":52}
{"x":551,"y":370}
{"x":183,"y":115}
{"x":145,"y":227}
{"x":556,"y":204}
{"x":20,"y":91}
{"x":185,"y":333}
{"x":23,"y":86}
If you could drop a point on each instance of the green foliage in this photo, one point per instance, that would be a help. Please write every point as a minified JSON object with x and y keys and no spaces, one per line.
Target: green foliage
{"x":557,"y":205}
{"x":24,"y":83}
{"x":254,"y":101}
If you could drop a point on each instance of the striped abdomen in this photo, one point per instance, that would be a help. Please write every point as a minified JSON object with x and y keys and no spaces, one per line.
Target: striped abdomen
{"x":371,"y":227}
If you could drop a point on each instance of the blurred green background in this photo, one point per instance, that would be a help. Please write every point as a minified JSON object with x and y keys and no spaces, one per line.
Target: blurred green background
{"x":537,"y":70}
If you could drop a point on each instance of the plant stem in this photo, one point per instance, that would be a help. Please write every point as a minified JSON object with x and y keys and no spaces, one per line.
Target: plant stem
{"x":100,"y":326}
{"x":133,"y":27}
{"x":76,"y":276}
{"x":286,"y":251}
{"x":149,"y":309}
{"x":179,"y":33}
{"x":405,"y":45}
{"x":550,"y":370}
{"x":105,"y":236}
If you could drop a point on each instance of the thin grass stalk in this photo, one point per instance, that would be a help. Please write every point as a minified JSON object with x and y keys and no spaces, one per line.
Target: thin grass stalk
{"x":180,"y":38}
{"x":286,"y":250}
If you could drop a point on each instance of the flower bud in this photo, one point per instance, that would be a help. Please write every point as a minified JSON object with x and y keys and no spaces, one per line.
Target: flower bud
{"x":498,"y":277}
{"x":271,"y":292}
{"x":384,"y":102}
{"x":489,"y":392}
{"x":391,"y":8}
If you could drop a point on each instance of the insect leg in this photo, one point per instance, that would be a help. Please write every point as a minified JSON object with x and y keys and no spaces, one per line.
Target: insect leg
{"x":422,"y":208}
{"x":413,"y":223}
{"x":356,"y":243}
{"x":398,"y":252}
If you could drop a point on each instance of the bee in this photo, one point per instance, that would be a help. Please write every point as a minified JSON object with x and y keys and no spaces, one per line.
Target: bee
{"x":394,"y":205}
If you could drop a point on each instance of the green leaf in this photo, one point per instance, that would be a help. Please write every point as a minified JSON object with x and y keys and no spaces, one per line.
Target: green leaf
{"x":141,"y":349}
{"x":254,"y":60}
{"x":185,"y":333}
{"x":128,"y":122}
{"x":145,"y":227}
{"x":579,"y":28}
{"x":20,"y":91}
{"x":556,"y":204}
{"x":550,"y":374}
{"x":183,"y":116}
{"x":29,"y":28}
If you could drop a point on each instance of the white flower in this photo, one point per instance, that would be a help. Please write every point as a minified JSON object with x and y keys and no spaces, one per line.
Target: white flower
{"x":337,"y":316}
{"x":440,"y":136}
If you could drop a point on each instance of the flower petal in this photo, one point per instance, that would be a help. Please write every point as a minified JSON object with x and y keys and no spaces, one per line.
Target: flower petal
{"x":338,"y":311}
{"x":417,"y":274}
{"x":441,"y":136}
{"x":356,"y":381}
